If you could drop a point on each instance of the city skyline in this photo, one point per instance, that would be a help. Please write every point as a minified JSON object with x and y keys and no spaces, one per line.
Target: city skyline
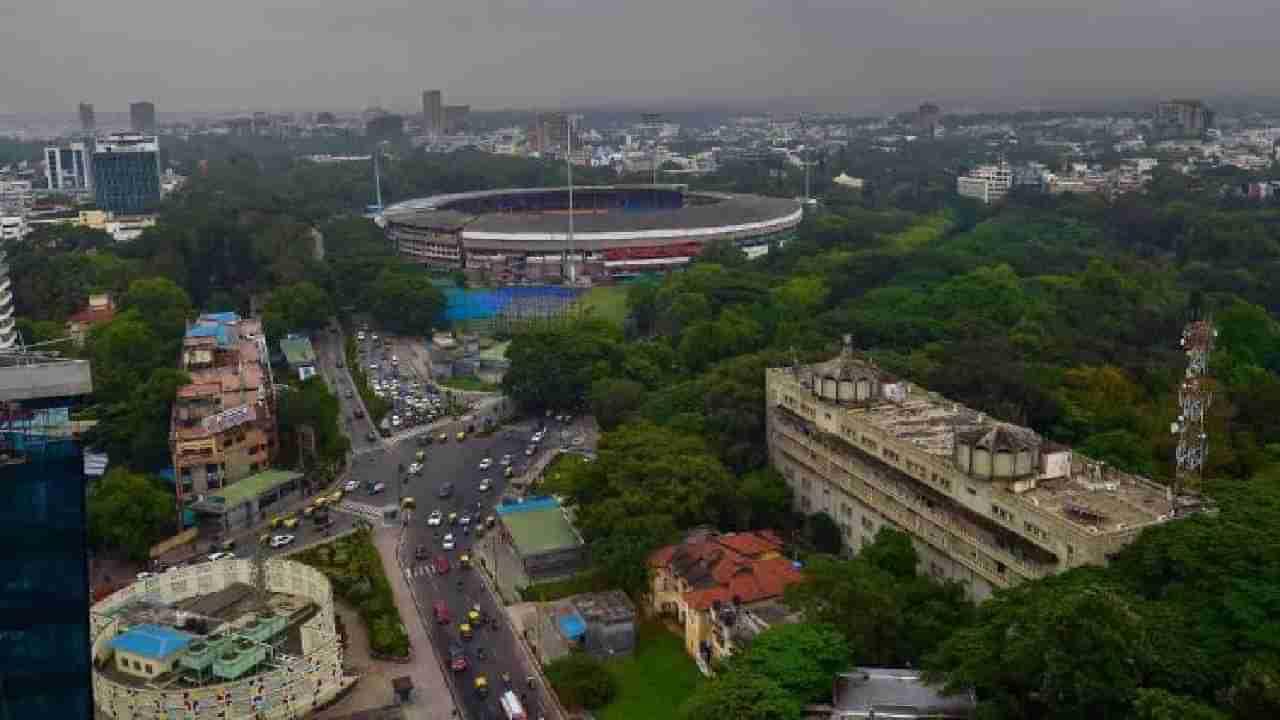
{"x":555,"y":54}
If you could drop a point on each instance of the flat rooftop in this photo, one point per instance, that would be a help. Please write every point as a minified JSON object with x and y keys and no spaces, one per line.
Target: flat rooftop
{"x":1090,"y":494}
{"x":538,"y":526}
{"x":30,"y":376}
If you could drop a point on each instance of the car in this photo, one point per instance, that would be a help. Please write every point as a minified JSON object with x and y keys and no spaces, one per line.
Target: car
{"x":214,"y":557}
{"x":280,"y":541}
{"x":395,"y":421}
{"x":373,"y":366}
{"x":485,"y":485}
{"x":447,"y":544}
{"x":457,"y":658}
{"x":446,"y":490}
{"x":441,"y":611}
{"x":464,"y":520}
{"x":360,"y":335}
{"x":444,"y":437}
{"x":441,"y":565}
{"x":506,"y":459}
{"x":485,"y":464}
{"x":350,"y":485}
{"x":435,"y":518}
{"x":350,"y":393}
{"x":377,"y":488}
{"x":374,"y":338}
{"x":415,"y":468}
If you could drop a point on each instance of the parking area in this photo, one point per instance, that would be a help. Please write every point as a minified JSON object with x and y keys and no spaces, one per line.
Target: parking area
{"x":414,"y":399}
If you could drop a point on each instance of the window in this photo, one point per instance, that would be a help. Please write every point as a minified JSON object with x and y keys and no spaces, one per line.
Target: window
{"x":1001,"y":513}
{"x":149,"y":670}
{"x":971,"y":490}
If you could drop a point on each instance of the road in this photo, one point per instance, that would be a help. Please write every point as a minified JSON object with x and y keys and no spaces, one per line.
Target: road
{"x":385,"y":460}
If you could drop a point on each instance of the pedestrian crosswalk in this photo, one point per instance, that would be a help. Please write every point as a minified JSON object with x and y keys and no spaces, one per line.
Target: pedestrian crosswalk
{"x":419,"y":571}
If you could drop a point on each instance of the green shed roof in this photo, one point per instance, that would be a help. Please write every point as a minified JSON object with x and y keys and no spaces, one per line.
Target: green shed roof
{"x":297,"y":351}
{"x":251,"y":487}
{"x":539,"y":531}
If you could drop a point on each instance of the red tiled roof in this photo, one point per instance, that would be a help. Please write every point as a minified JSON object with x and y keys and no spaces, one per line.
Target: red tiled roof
{"x":735,"y":565}
{"x":93,"y":316}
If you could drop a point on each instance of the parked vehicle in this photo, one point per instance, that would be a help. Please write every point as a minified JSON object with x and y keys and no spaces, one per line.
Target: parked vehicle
{"x":442,"y":613}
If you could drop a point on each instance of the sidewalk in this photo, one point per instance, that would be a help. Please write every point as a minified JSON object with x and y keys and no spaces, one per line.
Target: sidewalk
{"x":432,"y":699}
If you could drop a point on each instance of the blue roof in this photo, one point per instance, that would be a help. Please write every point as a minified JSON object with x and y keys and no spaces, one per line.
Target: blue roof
{"x":151,"y":641}
{"x":544,"y":502}
{"x":221,"y":317}
{"x":572,"y":626}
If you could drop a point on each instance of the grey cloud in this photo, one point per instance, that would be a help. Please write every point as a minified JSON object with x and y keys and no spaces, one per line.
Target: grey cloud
{"x":196,"y":55}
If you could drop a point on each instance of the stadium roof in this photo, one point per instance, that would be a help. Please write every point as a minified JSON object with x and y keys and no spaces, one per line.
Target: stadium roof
{"x":151,"y":641}
{"x":537,"y":526}
{"x":711,"y":212}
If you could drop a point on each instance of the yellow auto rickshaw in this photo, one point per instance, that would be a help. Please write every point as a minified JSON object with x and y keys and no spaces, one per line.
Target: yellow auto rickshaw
{"x":461,"y":436}
{"x":290,"y":522}
{"x":464,"y":560}
{"x":336,"y":497}
{"x":276,"y":521}
{"x":473,"y":615}
{"x":408,"y":503}
{"x":421,"y":455}
{"x":482,"y":685}
{"x":465,"y":631}
{"x":453,"y":518}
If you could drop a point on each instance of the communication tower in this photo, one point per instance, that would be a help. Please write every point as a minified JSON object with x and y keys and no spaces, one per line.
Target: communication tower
{"x":1194,"y":397}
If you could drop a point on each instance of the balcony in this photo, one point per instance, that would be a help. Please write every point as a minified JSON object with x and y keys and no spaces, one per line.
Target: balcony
{"x":954,"y":536}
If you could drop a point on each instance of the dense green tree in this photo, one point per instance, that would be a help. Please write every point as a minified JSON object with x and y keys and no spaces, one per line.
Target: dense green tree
{"x":402,"y":300}
{"x":310,"y":404}
{"x":801,"y":657}
{"x":299,"y":307}
{"x":581,"y":681}
{"x":124,"y":352}
{"x":766,"y":500}
{"x":1156,"y":704}
{"x":552,"y":367}
{"x":742,"y":696}
{"x":129,"y":513}
{"x":162,"y":305}
{"x":823,"y":534}
{"x":614,"y":401}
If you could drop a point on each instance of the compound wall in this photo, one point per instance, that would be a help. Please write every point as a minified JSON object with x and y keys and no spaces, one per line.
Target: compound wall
{"x":294,"y":688}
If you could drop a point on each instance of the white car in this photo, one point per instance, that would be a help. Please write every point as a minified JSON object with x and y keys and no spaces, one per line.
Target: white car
{"x":485,"y":485}
{"x":360,"y":335}
{"x":415,"y":468}
{"x":465,"y":520}
{"x":435,"y":518}
{"x":395,"y":421}
{"x":485,"y":463}
{"x":280,"y":541}
{"x":375,"y":338}
{"x":214,"y":557}
{"x":350,"y":486}
{"x":506,"y":459}
{"x":447,"y":543}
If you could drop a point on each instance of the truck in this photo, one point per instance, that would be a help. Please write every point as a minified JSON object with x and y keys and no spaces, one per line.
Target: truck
{"x":511,"y":706}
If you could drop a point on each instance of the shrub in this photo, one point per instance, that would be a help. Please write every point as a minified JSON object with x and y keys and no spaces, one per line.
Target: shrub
{"x":581,"y":681}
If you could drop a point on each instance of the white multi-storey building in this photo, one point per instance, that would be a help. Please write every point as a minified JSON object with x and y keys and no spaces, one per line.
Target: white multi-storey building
{"x":986,"y":503}
{"x":67,"y":168}
{"x":987,"y":183}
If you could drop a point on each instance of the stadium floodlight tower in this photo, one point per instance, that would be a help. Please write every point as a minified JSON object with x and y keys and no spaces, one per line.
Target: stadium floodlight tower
{"x":568,"y":163}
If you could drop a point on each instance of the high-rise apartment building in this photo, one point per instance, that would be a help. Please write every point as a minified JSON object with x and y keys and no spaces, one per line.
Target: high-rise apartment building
{"x":223,"y":427}
{"x":433,"y":111}
{"x":126,"y":173}
{"x":986,"y":503}
{"x":927,"y":119}
{"x":142,"y":117}
{"x":67,"y":168}
{"x":987,"y":183}
{"x":549,"y":133}
{"x":88,"y":123}
{"x":1182,"y":118}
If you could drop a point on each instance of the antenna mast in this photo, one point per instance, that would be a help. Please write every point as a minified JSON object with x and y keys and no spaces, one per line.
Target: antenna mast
{"x":1194,"y":397}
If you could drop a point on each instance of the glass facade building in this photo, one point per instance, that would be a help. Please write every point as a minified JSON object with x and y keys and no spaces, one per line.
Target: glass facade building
{"x":45,"y":667}
{"x":126,"y":174}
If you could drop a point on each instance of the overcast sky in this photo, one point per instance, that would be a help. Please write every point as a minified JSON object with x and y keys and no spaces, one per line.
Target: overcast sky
{"x":189,"y":55}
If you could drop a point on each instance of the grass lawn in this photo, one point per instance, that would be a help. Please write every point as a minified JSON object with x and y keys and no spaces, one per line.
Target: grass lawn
{"x":609,"y":303}
{"x":655,"y":680}
{"x":468,"y":383}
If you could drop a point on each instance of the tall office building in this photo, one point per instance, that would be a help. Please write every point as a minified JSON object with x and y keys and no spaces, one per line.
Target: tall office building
{"x":45,"y":667}
{"x":549,"y":132}
{"x":67,"y":168}
{"x":88,"y":123}
{"x":126,"y":173}
{"x":927,"y":119}
{"x":433,"y":112}
{"x":8,"y":333}
{"x":142,"y":117}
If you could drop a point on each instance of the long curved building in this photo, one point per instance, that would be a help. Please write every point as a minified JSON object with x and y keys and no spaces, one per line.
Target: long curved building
{"x":520,"y":235}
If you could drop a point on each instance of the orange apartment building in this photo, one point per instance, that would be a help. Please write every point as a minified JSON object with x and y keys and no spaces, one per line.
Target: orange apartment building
{"x":224,"y":424}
